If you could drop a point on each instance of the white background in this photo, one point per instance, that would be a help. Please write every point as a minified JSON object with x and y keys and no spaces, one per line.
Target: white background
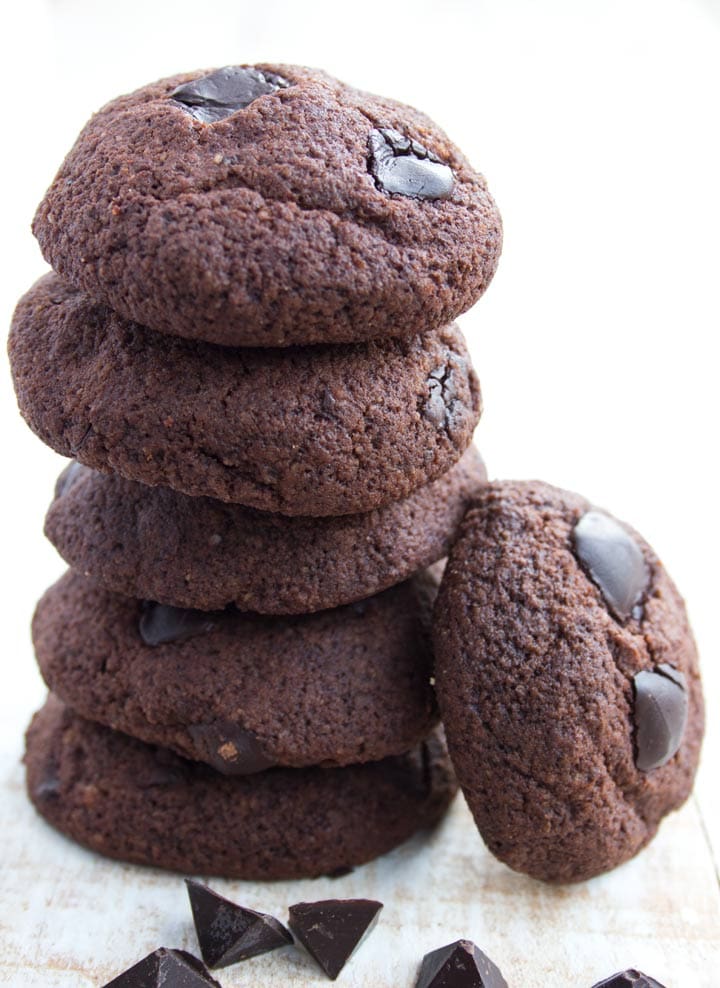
{"x":596,"y":125}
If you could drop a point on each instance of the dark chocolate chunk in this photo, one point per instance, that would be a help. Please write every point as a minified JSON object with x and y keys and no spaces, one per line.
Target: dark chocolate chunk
{"x":228,"y":933}
{"x":49,"y":785}
{"x":165,"y":769}
{"x":229,"y":748}
{"x":459,"y":965}
{"x":166,"y":968}
{"x":67,"y":478}
{"x":215,"y":96}
{"x":661,"y":710}
{"x":613,"y":560}
{"x":442,"y":398}
{"x":629,"y":979}
{"x":160,"y":623}
{"x":331,"y":930}
{"x":403,"y":166}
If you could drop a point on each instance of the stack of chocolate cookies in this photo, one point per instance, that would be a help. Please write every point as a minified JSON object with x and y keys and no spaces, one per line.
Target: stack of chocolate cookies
{"x":247,"y":348}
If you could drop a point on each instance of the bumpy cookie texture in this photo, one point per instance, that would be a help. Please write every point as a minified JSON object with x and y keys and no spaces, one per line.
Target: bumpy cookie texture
{"x":537,"y":685}
{"x":240,"y":691}
{"x":154,"y":543}
{"x":315,"y":213}
{"x":316,"y":431}
{"x":138,"y":803}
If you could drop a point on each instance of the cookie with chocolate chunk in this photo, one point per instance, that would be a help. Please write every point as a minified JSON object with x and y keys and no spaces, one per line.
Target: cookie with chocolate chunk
{"x":568,"y":682}
{"x":316,"y":431}
{"x":270,"y":205}
{"x":138,"y":803}
{"x":240,"y":691}
{"x":197,"y":552}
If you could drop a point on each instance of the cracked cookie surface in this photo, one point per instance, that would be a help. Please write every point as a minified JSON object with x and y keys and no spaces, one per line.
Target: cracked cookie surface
{"x":309,"y":431}
{"x":135,"y":802}
{"x":240,"y":691}
{"x":277,"y":224}
{"x":198,"y":552}
{"x":541,"y":682}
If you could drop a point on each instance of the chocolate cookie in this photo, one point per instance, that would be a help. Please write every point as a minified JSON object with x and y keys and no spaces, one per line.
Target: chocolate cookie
{"x":568,"y":682}
{"x":138,"y":803}
{"x":317,"y":431}
{"x":240,"y":691}
{"x":154,"y":543}
{"x":270,"y":206}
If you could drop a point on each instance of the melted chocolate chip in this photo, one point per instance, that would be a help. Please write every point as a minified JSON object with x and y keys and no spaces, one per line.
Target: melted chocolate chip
{"x":459,"y":965}
{"x":402,"y":166}
{"x":661,"y":710}
{"x":613,"y":560}
{"x":442,"y":397}
{"x":628,"y":979}
{"x":228,"y":933}
{"x":332,"y":930}
{"x":160,"y":624}
{"x":214,"y":97}
{"x":166,"y":769}
{"x":49,"y":785}
{"x":165,"y":967}
{"x":229,"y":748}
{"x":67,"y":478}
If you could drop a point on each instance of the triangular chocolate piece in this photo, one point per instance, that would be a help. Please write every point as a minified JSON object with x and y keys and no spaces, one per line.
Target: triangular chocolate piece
{"x":629,"y":979}
{"x":332,"y":929}
{"x":459,"y":965}
{"x":166,"y":968}
{"x":228,"y":933}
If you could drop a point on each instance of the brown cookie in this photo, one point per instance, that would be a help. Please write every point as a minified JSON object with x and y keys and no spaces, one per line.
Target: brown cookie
{"x":154,"y":543}
{"x":240,"y":691}
{"x":134,"y":802}
{"x":270,"y":206}
{"x":568,"y":682}
{"x":316,"y":431}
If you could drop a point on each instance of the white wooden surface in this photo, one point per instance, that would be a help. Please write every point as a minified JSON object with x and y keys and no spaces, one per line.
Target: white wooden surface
{"x":77,"y":919}
{"x":596,"y":125}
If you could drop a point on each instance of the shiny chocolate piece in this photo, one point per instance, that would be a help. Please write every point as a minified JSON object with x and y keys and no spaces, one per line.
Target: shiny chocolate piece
{"x":661,"y":710}
{"x":214,"y":97}
{"x":459,"y":965}
{"x":160,"y":623}
{"x":614,"y":562}
{"x":166,"y":968}
{"x":404,"y":167}
{"x":67,"y":478}
{"x":628,"y":979}
{"x":228,"y":933}
{"x":442,"y":397}
{"x":331,"y":930}
{"x":229,"y":748}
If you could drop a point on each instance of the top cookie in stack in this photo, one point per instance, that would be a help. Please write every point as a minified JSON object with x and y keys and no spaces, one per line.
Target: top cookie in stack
{"x":270,"y":206}
{"x":247,"y":346}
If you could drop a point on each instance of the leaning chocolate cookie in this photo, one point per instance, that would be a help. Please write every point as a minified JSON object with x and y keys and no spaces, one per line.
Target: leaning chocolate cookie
{"x":270,"y":206}
{"x":135,"y":802}
{"x":316,"y":431}
{"x":568,"y":682}
{"x":240,"y":691}
{"x":197,"y":552}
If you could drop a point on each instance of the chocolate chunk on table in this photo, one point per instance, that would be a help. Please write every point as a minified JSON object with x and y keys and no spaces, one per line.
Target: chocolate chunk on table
{"x":166,"y":968}
{"x":227,"y":932}
{"x":459,"y":965}
{"x":629,"y":979}
{"x":332,"y":929}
